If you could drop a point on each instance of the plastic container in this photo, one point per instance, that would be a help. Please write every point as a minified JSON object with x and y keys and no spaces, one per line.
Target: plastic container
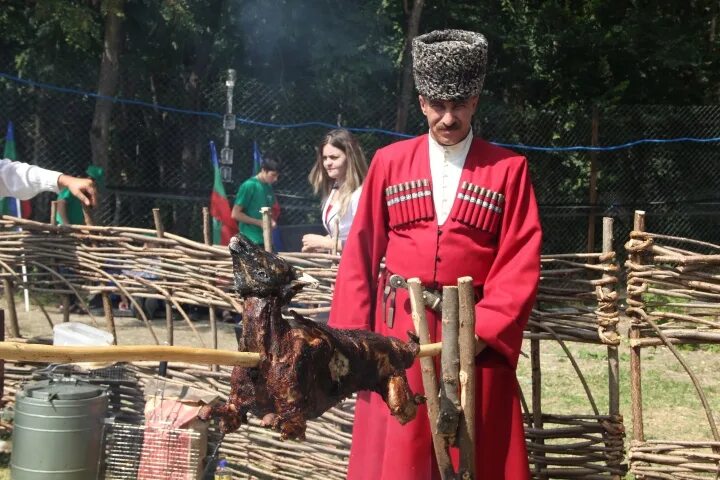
{"x":74,"y":333}
{"x":222,"y":472}
{"x":58,"y":430}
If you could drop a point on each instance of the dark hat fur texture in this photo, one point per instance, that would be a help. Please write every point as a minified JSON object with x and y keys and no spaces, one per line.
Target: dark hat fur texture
{"x":449,"y":64}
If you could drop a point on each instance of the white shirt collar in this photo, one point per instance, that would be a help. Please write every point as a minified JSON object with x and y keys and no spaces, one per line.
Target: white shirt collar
{"x":446,"y":165}
{"x":455,"y":154}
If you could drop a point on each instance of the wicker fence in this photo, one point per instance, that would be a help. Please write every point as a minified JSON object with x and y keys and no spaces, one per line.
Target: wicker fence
{"x":674,"y":301}
{"x":577,"y":302}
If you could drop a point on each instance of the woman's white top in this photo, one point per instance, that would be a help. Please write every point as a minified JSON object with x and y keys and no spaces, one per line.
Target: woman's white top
{"x":24,"y":181}
{"x":331,"y":209}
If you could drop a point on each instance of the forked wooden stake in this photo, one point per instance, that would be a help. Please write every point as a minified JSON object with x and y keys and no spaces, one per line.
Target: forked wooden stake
{"x":427,"y":366}
{"x":468,"y":347}
{"x":449,"y":415}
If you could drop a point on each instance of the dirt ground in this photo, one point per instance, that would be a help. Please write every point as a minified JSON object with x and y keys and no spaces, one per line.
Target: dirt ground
{"x":130,"y":330}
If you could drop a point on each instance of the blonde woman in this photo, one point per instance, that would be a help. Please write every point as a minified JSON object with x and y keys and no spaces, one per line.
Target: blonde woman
{"x":337,"y":177}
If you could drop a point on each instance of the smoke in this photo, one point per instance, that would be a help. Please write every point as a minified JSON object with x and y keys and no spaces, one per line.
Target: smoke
{"x":311,"y":41}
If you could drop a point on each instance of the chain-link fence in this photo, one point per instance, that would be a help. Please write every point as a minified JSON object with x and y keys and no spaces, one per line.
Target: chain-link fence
{"x":159,"y":156}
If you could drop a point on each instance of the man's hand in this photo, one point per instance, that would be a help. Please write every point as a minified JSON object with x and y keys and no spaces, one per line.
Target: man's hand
{"x":83,"y":189}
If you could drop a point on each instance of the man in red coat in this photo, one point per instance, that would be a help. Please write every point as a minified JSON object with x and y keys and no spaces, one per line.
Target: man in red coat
{"x":438,"y":207}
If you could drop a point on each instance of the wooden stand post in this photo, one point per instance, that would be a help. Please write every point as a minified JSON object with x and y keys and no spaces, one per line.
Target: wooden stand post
{"x":466,"y":345}
{"x":427,"y":366}
{"x":449,"y":413}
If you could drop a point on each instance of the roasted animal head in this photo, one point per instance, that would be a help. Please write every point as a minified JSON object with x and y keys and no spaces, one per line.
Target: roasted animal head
{"x":259,"y":273}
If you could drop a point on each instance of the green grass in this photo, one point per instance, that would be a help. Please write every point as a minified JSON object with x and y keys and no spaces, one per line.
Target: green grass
{"x":672,"y":408}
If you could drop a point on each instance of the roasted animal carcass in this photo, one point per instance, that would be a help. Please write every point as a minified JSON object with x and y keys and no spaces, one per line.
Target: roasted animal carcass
{"x":306,"y":367}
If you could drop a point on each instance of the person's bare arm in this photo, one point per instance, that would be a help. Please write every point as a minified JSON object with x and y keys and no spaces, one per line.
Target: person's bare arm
{"x":239,"y":215}
{"x":313,"y":243}
{"x":83,"y":189}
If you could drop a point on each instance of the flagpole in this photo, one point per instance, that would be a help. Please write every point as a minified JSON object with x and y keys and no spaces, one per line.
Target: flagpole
{"x":26,"y":293}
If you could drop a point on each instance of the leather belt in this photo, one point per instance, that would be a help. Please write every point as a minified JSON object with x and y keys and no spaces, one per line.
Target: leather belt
{"x":431,"y":298}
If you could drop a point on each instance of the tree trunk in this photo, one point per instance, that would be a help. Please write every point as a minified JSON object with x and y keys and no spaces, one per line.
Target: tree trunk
{"x":406,"y":88}
{"x":107,"y":81}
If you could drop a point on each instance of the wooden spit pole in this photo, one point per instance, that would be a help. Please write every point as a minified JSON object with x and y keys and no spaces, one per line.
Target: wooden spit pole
{"x":27,"y":352}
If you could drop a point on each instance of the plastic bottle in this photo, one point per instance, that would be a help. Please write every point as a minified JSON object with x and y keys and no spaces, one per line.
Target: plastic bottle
{"x":222,"y":472}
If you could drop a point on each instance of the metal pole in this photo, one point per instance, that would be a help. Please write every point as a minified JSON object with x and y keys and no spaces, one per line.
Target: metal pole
{"x":226,"y":154}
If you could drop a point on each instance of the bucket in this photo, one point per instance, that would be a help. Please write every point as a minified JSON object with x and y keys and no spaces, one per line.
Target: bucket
{"x":58,"y":430}
{"x":75,"y":333}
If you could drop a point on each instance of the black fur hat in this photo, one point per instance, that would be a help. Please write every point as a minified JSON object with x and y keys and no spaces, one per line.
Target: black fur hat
{"x":449,"y":64}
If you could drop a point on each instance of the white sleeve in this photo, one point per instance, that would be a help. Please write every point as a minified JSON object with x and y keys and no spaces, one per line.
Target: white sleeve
{"x":24,"y":181}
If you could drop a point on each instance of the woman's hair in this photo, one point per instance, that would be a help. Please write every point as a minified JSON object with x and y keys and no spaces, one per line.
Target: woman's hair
{"x":354,"y":175}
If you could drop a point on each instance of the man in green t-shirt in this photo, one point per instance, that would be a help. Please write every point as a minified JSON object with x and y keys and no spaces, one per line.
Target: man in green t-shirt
{"x":254,"y":194}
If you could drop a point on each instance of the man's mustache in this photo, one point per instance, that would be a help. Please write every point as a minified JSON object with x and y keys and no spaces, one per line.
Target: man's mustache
{"x":451,"y":128}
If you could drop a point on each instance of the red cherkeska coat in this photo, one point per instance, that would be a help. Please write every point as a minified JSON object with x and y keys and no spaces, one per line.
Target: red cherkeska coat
{"x":493,"y":235}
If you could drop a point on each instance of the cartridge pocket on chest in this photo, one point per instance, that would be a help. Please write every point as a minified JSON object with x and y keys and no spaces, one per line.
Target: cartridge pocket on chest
{"x":478,"y":207}
{"x":409,"y":202}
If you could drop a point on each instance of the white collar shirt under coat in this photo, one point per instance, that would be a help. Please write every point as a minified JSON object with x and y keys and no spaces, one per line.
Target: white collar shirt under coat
{"x":446,"y":165}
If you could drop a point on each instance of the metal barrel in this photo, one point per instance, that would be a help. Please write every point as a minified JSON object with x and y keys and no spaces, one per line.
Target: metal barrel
{"x":58,"y":430}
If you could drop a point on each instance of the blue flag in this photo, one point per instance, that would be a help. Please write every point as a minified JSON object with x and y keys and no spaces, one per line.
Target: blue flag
{"x":257,"y":158}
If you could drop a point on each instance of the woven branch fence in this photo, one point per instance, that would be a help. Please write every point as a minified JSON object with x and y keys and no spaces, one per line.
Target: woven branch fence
{"x":577,"y":302}
{"x":673,"y":288}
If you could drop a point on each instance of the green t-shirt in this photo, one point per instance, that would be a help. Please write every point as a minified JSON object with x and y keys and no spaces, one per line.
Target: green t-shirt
{"x":73,"y":207}
{"x":252,"y":196}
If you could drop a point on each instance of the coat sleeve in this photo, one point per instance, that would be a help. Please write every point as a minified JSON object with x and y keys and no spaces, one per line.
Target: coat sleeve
{"x":24,"y":181}
{"x":512,"y":281}
{"x":353,"y":304}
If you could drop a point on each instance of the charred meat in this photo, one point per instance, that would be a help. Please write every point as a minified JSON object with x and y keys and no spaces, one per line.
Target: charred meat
{"x":306,"y":367}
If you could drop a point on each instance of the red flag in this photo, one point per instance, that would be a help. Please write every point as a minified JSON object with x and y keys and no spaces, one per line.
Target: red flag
{"x":223,"y":225}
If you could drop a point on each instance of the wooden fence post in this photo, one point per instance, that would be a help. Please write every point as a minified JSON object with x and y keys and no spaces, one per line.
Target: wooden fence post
{"x":635,"y":299}
{"x":106,"y":302}
{"x":211,"y":309}
{"x":266,"y":228}
{"x":593,"y":180}
{"x":13,"y":324}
